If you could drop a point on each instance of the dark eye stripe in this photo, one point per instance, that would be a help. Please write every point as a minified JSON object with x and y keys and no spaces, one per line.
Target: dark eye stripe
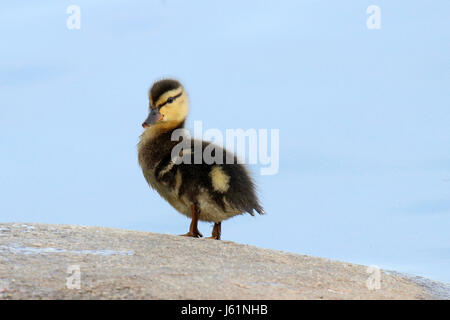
{"x":170,"y":98}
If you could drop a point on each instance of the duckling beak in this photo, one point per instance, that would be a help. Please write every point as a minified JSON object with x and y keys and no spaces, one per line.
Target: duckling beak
{"x":153,"y":117}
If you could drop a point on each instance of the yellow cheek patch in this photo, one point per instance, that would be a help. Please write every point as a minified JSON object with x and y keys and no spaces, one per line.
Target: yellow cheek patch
{"x":176,"y":111}
{"x":220,"y":180}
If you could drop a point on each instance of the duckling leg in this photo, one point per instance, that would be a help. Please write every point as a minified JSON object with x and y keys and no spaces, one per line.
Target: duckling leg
{"x":216,"y":231}
{"x":193,"y":229}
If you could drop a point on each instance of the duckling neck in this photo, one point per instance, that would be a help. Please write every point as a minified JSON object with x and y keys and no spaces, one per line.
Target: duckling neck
{"x":155,"y":142}
{"x":155,"y":131}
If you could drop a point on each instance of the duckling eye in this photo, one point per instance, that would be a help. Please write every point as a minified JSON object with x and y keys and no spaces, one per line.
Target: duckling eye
{"x":170,"y":100}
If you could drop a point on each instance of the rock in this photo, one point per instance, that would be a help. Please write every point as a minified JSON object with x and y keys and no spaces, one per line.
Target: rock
{"x":75,"y":262}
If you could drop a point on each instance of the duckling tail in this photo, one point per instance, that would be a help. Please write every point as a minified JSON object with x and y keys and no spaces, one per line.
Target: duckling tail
{"x":259,"y":209}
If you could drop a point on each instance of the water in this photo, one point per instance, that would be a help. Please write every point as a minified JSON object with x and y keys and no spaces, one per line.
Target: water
{"x":19,"y":249}
{"x":363,"y":116}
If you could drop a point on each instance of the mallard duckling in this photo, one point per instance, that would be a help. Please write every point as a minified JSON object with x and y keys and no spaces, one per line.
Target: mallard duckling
{"x":207,"y":192}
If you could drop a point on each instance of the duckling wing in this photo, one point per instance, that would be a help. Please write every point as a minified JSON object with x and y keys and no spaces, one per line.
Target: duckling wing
{"x":241,"y":193}
{"x":214,"y":172}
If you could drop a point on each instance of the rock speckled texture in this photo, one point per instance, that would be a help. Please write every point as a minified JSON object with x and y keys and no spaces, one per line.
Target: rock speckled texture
{"x":119,"y":264}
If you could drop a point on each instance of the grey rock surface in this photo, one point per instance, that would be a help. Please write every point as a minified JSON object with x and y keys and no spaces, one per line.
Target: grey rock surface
{"x":39,"y":261}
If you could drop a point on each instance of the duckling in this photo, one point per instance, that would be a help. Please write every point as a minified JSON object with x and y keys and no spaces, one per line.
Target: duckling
{"x":207,"y":192}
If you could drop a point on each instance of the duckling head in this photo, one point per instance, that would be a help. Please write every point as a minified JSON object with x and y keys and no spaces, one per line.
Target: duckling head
{"x":168,"y":104}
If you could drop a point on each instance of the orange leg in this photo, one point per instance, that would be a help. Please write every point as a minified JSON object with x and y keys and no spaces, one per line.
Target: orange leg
{"x":193,"y":229}
{"x":216,"y":231}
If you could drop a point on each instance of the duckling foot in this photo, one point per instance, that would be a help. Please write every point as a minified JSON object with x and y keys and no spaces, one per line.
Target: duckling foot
{"x":216,"y":231}
{"x":193,"y":229}
{"x":195,"y":234}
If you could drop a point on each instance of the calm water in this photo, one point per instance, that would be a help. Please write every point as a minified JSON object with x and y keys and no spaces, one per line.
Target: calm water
{"x":363,"y":118}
